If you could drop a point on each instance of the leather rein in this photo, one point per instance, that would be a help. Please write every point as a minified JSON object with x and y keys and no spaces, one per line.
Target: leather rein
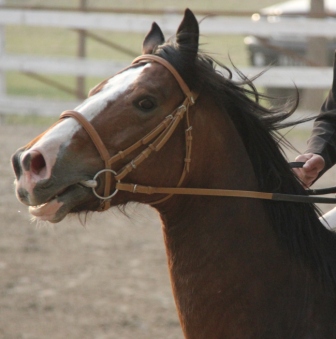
{"x":154,"y":141}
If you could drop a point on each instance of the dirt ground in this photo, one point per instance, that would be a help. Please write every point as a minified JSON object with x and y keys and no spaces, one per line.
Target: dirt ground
{"x":108,"y":279}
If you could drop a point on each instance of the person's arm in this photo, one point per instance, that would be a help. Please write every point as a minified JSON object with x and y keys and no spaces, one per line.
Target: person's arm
{"x":321,"y":152}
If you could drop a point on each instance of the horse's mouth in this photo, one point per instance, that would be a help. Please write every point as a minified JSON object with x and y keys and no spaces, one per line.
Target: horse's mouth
{"x":59,"y":205}
{"x":46,"y":211}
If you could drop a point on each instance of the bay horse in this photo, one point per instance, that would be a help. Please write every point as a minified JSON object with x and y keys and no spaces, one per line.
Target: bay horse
{"x":240,"y":267}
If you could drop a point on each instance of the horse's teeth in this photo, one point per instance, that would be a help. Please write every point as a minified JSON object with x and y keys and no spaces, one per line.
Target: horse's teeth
{"x":39,"y":206}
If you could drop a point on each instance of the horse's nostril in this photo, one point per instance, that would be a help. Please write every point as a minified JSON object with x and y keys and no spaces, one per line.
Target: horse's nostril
{"x":37,"y":162}
{"x":34,"y":162}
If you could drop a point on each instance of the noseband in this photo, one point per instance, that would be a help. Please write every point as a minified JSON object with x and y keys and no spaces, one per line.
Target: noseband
{"x":154,"y":141}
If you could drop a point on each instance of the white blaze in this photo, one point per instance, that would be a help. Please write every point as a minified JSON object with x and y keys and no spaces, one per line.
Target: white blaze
{"x":62,"y":133}
{"x":92,"y":106}
{"x":114,"y":88}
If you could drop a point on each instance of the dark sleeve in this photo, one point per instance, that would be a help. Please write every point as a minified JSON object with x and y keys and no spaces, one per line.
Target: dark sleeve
{"x":323,"y":137}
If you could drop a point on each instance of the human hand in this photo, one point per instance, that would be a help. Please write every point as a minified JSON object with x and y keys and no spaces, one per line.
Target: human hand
{"x":314,"y":164}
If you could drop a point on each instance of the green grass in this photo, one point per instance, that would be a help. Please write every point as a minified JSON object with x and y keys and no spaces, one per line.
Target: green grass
{"x":27,"y":119}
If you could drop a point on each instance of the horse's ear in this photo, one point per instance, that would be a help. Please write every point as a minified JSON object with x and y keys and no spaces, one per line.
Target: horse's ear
{"x":188,"y":32}
{"x":153,"y":39}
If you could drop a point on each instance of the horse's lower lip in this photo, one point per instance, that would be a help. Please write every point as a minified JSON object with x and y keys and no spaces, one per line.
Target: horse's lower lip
{"x":46,"y":211}
{"x":67,"y":199}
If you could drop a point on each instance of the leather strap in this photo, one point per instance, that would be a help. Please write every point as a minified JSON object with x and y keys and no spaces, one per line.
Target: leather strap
{"x":104,"y":153}
{"x":161,"y":134}
{"x":133,"y":188}
{"x":188,"y":93}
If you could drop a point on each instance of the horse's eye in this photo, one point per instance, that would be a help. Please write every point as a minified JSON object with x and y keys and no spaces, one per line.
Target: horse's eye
{"x":146,"y":104}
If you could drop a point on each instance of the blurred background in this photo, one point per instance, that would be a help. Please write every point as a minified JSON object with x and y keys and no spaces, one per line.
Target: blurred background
{"x":109,"y":279}
{"x":59,"y":50}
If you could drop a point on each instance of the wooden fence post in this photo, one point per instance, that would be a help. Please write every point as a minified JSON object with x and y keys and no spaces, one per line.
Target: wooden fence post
{"x":2,"y":52}
{"x":81,"y":53}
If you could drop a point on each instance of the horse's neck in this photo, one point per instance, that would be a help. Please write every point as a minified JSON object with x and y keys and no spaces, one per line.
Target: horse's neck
{"x":224,"y":260}
{"x":221,"y":261}
{"x":230,"y":279}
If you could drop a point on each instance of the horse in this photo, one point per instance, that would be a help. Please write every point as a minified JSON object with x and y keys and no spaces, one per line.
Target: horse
{"x":168,"y":131}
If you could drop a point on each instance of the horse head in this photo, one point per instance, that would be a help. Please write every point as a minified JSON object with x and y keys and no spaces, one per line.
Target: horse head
{"x":55,"y":171}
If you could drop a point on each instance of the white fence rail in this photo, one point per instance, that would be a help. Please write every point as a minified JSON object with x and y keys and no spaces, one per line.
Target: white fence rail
{"x":168,"y":22}
{"x":60,"y":65}
{"x":303,"y":77}
{"x":27,"y":105}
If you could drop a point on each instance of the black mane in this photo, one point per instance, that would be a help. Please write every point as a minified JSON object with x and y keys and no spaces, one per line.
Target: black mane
{"x":296,"y":224}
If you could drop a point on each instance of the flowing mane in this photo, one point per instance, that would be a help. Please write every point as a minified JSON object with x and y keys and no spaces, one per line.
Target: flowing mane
{"x":296,"y":224}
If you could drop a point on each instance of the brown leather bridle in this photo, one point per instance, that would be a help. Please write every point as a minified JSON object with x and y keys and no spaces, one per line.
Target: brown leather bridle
{"x":154,"y":141}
